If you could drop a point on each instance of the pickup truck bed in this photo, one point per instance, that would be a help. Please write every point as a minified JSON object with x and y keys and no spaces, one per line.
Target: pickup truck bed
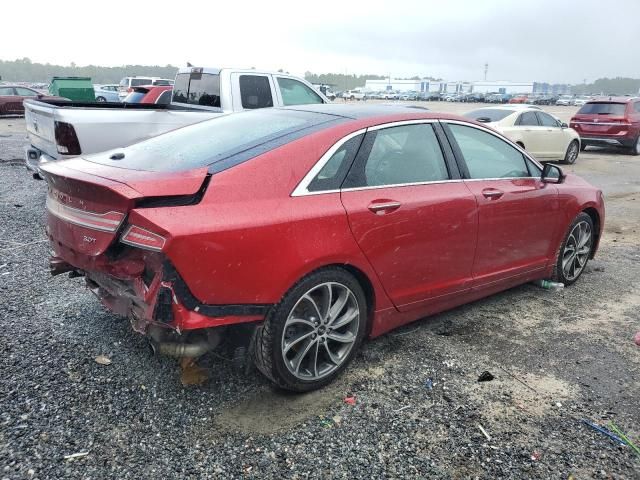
{"x":96,"y":127}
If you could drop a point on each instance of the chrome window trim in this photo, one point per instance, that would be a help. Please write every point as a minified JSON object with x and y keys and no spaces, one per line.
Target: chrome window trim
{"x":501,"y":137}
{"x":302,"y":187}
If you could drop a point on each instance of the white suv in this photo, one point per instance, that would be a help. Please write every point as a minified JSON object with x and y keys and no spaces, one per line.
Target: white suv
{"x":127,"y":83}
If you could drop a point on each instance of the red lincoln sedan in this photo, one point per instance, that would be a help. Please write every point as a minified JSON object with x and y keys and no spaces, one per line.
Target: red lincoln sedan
{"x":304,"y":230}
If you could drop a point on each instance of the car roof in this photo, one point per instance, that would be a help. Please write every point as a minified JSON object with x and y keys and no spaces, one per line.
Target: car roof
{"x":361,"y":112}
{"x":616,"y":99}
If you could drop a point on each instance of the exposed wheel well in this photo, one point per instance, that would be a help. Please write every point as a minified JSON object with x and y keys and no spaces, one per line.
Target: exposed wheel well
{"x":595,"y":218}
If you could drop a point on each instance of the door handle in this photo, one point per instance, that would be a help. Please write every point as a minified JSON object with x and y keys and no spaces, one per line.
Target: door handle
{"x":384,"y":207}
{"x":492,"y":193}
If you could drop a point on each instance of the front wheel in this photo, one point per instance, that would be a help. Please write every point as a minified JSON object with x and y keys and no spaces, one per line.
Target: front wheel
{"x":101,"y":99}
{"x":575,"y":250}
{"x":311,"y":336}
{"x":571,"y":155}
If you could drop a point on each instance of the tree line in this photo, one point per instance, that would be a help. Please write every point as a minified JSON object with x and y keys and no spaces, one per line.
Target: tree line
{"x":609,"y":86}
{"x":24,"y":70}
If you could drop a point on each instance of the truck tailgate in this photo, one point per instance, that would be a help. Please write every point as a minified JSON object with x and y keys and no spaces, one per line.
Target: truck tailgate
{"x":40,"y":122}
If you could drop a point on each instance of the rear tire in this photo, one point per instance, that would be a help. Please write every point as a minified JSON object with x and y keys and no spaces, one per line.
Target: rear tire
{"x":101,"y":99}
{"x":575,"y":251}
{"x":296,"y":347}
{"x":571,"y":155}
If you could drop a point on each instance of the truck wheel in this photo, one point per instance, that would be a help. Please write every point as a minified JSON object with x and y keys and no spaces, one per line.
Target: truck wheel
{"x":311,"y":336}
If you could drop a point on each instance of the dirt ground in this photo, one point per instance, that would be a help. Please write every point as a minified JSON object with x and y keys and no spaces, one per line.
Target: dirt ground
{"x":557,"y":358}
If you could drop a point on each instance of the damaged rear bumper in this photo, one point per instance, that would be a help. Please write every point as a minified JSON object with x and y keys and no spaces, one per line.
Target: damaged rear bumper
{"x":154,"y":293}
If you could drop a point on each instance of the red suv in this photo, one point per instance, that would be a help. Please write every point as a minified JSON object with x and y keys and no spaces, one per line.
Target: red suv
{"x":613,"y":121}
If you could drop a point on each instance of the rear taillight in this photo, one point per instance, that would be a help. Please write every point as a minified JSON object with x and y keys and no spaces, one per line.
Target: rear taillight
{"x":66,"y":139}
{"x":105,"y":222}
{"x":142,"y":238}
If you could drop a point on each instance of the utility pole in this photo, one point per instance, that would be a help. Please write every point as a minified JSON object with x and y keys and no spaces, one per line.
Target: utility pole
{"x":486,"y":70}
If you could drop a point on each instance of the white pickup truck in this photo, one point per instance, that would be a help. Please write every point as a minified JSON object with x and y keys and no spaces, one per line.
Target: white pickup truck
{"x":59,"y":129}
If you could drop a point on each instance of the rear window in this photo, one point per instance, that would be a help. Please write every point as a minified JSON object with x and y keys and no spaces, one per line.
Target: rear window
{"x":487,"y":115}
{"x":134,"y":97}
{"x":214,"y":140}
{"x":603,"y":108}
{"x":162,"y":82}
{"x":197,"y":89}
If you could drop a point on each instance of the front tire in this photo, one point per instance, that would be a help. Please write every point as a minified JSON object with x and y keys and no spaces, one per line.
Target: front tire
{"x":575,"y":250}
{"x":101,"y":99}
{"x":571,"y":155}
{"x":310,"y":337}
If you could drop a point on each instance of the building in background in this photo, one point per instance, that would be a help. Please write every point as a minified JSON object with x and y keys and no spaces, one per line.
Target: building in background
{"x":483,"y":86}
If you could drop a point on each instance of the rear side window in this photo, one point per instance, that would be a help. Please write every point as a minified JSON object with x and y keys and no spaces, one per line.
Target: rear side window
{"x":603,"y":108}
{"x":25,"y":92}
{"x":136,"y":82}
{"x":255,"y":91}
{"x":487,"y":115}
{"x":332,"y":174}
{"x":197,"y":89}
{"x":161,"y":82}
{"x":527,"y":119}
{"x":399,"y":155}
{"x":636,"y":106}
{"x":6,"y":91}
{"x":296,"y":93}
{"x":486,"y":155}
{"x":216,"y":140}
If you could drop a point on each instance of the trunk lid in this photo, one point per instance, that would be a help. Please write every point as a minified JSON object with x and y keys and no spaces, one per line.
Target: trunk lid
{"x":87,"y":203}
{"x":40,"y":123}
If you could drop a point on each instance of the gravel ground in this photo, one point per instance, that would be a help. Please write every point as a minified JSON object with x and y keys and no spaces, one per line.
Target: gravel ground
{"x":557,"y":357}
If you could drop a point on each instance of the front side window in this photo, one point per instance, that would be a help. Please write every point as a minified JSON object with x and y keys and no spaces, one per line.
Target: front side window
{"x":547,"y":120}
{"x":296,"y":93}
{"x":197,"y":89}
{"x":528,"y":119}
{"x":6,"y":91}
{"x":399,"y":155}
{"x":486,"y":155}
{"x":255,"y":91}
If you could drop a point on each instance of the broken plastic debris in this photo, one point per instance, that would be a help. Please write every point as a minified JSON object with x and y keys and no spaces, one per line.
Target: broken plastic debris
{"x":350,"y":400}
{"x":484,"y":432}
{"x":192,"y":373}
{"x":485,"y":376}
{"x":603,"y":430}
{"x":103,"y":360}
{"x":337,"y":419}
{"x":549,"y":285}
{"x":536,"y":455}
{"x":76,"y":455}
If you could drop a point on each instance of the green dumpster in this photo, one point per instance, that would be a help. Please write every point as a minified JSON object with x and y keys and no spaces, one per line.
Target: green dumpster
{"x":77,"y":89}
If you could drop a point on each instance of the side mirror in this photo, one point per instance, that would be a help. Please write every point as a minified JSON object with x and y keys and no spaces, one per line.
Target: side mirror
{"x":552,"y":174}
{"x":564,"y":125}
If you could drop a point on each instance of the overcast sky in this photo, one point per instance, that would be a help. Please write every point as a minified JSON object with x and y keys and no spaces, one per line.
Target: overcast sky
{"x":522,"y":40}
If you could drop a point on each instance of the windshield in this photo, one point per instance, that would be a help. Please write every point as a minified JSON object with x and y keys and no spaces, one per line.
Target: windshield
{"x":134,"y":97}
{"x":211,"y":141}
{"x":603,"y":108}
{"x":487,"y":115}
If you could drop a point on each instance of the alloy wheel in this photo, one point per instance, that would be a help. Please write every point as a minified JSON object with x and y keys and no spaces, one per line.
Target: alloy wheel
{"x":576,"y":250}
{"x":320,"y":331}
{"x":572,"y":154}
